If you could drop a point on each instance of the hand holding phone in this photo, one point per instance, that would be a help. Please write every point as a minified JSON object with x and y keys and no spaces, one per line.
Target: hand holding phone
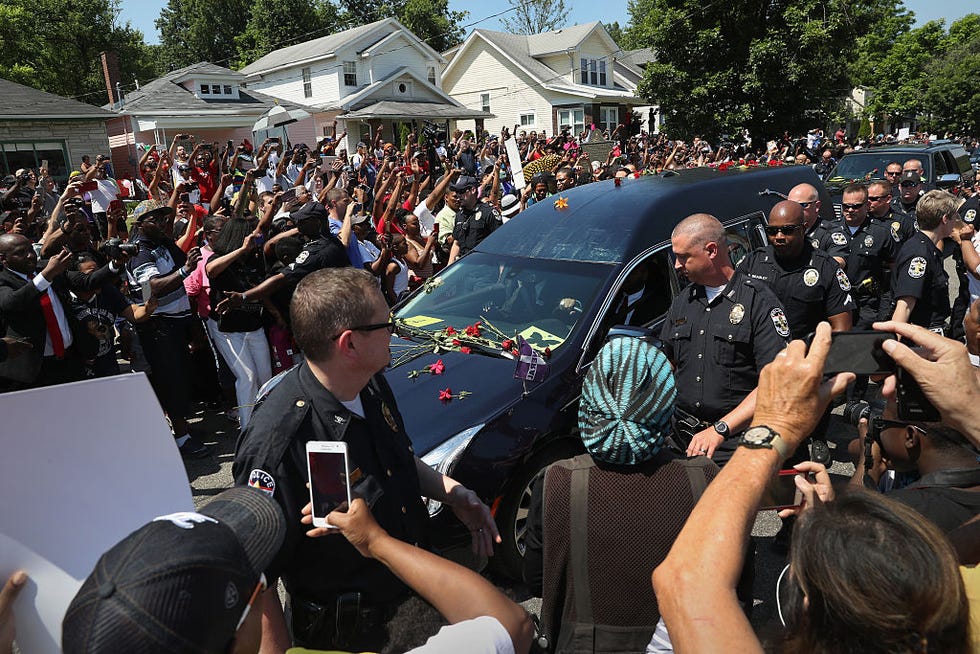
{"x":783,"y":493}
{"x":329,"y":481}
{"x":859,"y":352}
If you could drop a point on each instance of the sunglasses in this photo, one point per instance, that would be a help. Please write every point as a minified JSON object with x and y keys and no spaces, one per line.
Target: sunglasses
{"x":388,"y":324}
{"x":909,"y":184}
{"x":772,"y":230}
{"x":852,"y":207}
{"x":878,"y":425}
{"x":893,"y":173}
{"x":806,"y":205}
{"x":875,"y":198}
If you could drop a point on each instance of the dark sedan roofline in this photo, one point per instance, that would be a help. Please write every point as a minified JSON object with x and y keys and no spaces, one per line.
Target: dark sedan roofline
{"x":643,"y":211}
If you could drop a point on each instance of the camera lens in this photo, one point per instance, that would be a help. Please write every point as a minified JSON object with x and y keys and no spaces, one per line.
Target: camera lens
{"x":854,"y":411}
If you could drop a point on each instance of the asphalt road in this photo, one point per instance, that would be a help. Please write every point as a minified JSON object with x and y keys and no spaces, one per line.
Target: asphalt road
{"x":211,"y":475}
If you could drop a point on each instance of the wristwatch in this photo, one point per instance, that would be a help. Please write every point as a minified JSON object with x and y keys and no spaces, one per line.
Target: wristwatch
{"x":722,"y":428}
{"x":764,"y":437}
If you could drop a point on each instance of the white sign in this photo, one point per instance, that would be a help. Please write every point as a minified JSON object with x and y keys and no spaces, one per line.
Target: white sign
{"x":84,"y":465}
{"x":903,"y":134}
{"x":516,"y":167}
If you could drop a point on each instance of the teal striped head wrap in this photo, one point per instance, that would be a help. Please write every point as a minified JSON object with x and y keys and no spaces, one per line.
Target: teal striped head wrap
{"x":627,"y":402}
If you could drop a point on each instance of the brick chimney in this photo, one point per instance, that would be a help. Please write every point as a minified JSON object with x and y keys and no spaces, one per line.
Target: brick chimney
{"x":110,"y":71}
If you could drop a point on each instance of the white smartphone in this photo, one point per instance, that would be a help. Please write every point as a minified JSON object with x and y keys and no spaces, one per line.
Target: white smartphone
{"x":327,"y":160}
{"x":44,"y":164}
{"x":326,"y":463}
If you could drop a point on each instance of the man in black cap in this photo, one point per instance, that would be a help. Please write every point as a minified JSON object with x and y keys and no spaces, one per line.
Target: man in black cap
{"x":184,"y":582}
{"x":163,"y":266}
{"x":475,"y":220}
{"x":323,"y":250}
{"x":910,"y":189}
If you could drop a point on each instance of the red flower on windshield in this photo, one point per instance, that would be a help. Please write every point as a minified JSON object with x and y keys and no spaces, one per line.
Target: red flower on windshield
{"x":508,"y":344}
{"x":465,"y":350}
{"x":437,"y":368}
{"x":446,"y":394}
{"x":473,"y":330}
{"x":450,"y":330}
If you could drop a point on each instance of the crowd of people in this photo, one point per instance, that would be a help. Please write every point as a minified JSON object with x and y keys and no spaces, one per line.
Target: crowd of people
{"x":241,"y":262}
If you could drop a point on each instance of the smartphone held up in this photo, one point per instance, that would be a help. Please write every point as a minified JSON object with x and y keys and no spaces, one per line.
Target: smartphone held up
{"x":329,"y":479}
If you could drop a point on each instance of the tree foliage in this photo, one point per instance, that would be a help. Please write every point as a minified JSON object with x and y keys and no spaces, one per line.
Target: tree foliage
{"x":900,"y":78}
{"x":534,"y":16}
{"x":54,"y":45}
{"x":200,"y":30}
{"x":952,"y":94}
{"x":615,"y":32}
{"x":433,"y":22}
{"x":274,"y":24}
{"x":764,"y":65}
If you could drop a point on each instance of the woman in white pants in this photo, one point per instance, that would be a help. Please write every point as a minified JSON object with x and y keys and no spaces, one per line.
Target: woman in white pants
{"x":237,"y":265}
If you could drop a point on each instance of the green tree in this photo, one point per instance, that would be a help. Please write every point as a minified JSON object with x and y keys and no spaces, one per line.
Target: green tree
{"x":201,"y":30}
{"x":889,"y":21}
{"x":54,"y":46}
{"x":952,"y":91}
{"x":616,"y":32}
{"x":274,"y":24}
{"x":433,"y":22}
{"x":900,"y":77}
{"x":534,"y":16}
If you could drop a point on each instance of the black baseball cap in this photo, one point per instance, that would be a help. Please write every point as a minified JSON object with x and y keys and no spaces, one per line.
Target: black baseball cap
{"x":309,"y":211}
{"x":464,"y":182}
{"x":910,"y":176}
{"x":181,"y":583}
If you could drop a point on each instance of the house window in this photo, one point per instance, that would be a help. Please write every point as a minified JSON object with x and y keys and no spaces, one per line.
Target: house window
{"x":30,"y":154}
{"x":215,"y":89}
{"x":431,"y":74}
{"x":227,"y":89}
{"x":593,"y":72}
{"x":485,"y":102}
{"x":527,"y":118}
{"x":573,"y":119}
{"x":307,"y":84}
{"x":205,"y":89}
{"x":350,"y":73}
{"x":609,"y":118}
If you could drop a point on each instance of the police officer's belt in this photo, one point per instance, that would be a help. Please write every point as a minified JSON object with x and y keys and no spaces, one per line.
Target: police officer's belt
{"x":337,"y":623}
{"x":868,"y":288}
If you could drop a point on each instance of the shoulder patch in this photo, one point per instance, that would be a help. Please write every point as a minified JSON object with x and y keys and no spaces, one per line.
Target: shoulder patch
{"x":838,"y":238}
{"x":917,"y":267}
{"x":815,"y":243}
{"x":779,"y":322}
{"x":811,"y":277}
{"x":263,"y":481}
{"x":303,"y":256}
{"x":970,"y":215}
{"x":843,"y":281}
{"x":895,"y":227}
{"x":869,"y":241}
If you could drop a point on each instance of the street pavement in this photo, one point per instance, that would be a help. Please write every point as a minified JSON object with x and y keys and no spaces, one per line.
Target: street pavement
{"x":211,"y":475}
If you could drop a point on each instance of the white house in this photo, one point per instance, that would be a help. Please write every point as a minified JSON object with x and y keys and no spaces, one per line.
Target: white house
{"x":374,"y":75}
{"x":572,"y":77}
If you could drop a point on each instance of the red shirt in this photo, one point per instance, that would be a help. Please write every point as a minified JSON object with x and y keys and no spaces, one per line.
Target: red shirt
{"x":207,"y":180}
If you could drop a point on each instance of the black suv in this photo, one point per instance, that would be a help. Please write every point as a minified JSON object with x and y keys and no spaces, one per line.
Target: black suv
{"x":944,"y":165}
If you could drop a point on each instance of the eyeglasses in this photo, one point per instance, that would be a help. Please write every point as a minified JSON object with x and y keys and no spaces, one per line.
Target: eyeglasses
{"x":772,"y":230}
{"x":388,"y":324}
{"x":852,"y":207}
{"x":909,"y":184}
{"x":876,"y":198}
{"x":259,"y":588}
{"x":889,"y":172}
{"x":878,"y":425}
{"x":806,"y":205}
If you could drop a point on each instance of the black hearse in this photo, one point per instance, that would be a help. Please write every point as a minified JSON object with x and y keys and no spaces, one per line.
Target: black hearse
{"x":496,"y":439}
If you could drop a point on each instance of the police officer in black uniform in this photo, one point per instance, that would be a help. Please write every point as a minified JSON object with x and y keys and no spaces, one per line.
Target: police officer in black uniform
{"x":322,"y":250}
{"x":901,"y":225}
{"x":808,"y":282}
{"x":719,"y":333}
{"x":337,"y":598}
{"x":475,"y":220}
{"x":910,"y":190}
{"x":968,"y":216}
{"x":871,"y":253}
{"x":920,"y":283}
{"x":817,"y":232}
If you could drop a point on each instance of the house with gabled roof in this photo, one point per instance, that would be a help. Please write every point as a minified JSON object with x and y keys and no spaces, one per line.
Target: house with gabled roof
{"x":206,"y":100}
{"x":375,"y":75}
{"x":572,"y":77}
{"x":36,"y":126}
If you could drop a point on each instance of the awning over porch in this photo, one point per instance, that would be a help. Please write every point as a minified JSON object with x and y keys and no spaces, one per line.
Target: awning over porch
{"x":392,"y":109}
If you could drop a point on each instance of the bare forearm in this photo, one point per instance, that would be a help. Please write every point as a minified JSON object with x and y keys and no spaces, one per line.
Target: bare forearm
{"x":903,"y":309}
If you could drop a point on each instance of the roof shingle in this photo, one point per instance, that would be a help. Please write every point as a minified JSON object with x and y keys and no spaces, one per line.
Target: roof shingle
{"x":24,"y":102}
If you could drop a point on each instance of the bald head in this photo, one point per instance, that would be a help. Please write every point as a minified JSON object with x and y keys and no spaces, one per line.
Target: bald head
{"x":9,"y":242}
{"x":807,"y":196}
{"x":700,"y":228}
{"x":786,"y":212}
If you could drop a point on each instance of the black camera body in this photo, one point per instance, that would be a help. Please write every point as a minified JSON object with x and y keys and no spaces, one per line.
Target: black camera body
{"x":191,"y":186}
{"x":114,"y":248}
{"x":432,"y":132}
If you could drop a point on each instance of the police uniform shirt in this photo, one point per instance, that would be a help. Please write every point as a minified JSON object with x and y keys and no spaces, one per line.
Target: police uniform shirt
{"x":271,"y":456}
{"x":324,"y":252}
{"x":901,"y":225}
{"x":474,"y":225}
{"x":919,"y":273}
{"x":719,"y":347}
{"x":820,"y":239}
{"x":811,"y":288}
{"x":870,"y":251}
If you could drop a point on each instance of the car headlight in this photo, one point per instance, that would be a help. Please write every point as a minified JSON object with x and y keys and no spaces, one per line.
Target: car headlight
{"x":443,"y":458}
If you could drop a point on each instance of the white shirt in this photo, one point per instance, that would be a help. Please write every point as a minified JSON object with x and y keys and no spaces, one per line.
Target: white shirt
{"x":483,"y":635}
{"x":426,"y":219}
{"x":712,"y":292}
{"x":42,"y":284}
{"x":972,"y":282}
{"x":105,"y":192}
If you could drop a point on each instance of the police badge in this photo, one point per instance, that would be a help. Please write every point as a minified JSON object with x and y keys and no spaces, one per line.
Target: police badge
{"x":843,"y":281}
{"x":917,"y":267}
{"x":895,"y":227}
{"x":390,"y":419}
{"x":738,"y":312}
{"x":811,"y":277}
{"x":779,"y":322}
{"x":868,"y":241}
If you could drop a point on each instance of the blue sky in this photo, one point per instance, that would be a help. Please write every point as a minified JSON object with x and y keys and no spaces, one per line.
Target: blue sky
{"x":142,"y":13}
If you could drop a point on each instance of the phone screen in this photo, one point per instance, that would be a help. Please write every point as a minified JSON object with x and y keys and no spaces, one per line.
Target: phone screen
{"x":859,"y":352}
{"x":782,"y":492}
{"x":289,"y":195}
{"x":913,"y":405}
{"x":328,"y":481}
